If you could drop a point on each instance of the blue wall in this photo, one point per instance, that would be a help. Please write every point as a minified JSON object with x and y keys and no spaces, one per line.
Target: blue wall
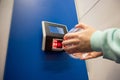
{"x":25,"y":59}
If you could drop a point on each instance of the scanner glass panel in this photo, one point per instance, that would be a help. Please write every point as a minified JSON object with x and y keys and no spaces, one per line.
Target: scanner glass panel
{"x":56,"y":30}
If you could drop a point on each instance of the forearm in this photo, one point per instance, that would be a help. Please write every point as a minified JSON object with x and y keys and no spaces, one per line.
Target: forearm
{"x":107,"y":42}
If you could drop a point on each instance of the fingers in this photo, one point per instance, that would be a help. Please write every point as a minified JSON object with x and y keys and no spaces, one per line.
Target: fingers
{"x":70,"y":36}
{"x":82,"y":26}
{"x":83,"y":56}
{"x":70,"y":42}
{"x":92,"y":55}
{"x":71,"y":49}
{"x":78,"y":41}
{"x":77,"y":55}
{"x":71,"y":45}
{"x":89,"y":55}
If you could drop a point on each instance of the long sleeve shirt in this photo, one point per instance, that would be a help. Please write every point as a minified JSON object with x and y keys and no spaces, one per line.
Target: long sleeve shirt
{"x":108,"y":42}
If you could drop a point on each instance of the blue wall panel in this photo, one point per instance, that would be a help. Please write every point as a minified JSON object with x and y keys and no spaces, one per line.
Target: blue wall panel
{"x":25,"y":59}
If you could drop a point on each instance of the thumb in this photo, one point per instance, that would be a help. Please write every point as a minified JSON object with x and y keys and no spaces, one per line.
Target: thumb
{"x":86,"y":56}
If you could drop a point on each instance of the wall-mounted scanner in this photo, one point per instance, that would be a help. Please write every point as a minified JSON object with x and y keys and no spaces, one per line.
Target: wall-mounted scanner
{"x":52,"y":36}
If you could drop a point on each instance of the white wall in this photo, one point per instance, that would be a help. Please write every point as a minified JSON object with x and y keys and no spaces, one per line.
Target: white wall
{"x":5,"y":20}
{"x":105,"y":14}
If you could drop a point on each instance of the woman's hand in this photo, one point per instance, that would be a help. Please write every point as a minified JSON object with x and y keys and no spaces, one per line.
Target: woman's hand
{"x":78,"y":41}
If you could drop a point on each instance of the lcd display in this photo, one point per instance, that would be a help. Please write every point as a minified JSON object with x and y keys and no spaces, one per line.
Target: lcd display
{"x":56,"y":30}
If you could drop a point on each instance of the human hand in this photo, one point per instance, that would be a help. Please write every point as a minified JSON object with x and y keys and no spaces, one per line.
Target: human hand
{"x":86,"y":56}
{"x":78,"y":41}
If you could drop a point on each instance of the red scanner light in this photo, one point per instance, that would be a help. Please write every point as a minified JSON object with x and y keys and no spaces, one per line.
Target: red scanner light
{"x":57,"y":43}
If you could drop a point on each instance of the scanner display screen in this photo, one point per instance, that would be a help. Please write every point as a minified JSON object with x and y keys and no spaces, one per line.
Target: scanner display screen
{"x":56,"y":30}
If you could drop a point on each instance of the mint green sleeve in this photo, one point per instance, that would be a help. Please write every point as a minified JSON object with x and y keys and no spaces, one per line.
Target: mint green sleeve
{"x":108,"y":42}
